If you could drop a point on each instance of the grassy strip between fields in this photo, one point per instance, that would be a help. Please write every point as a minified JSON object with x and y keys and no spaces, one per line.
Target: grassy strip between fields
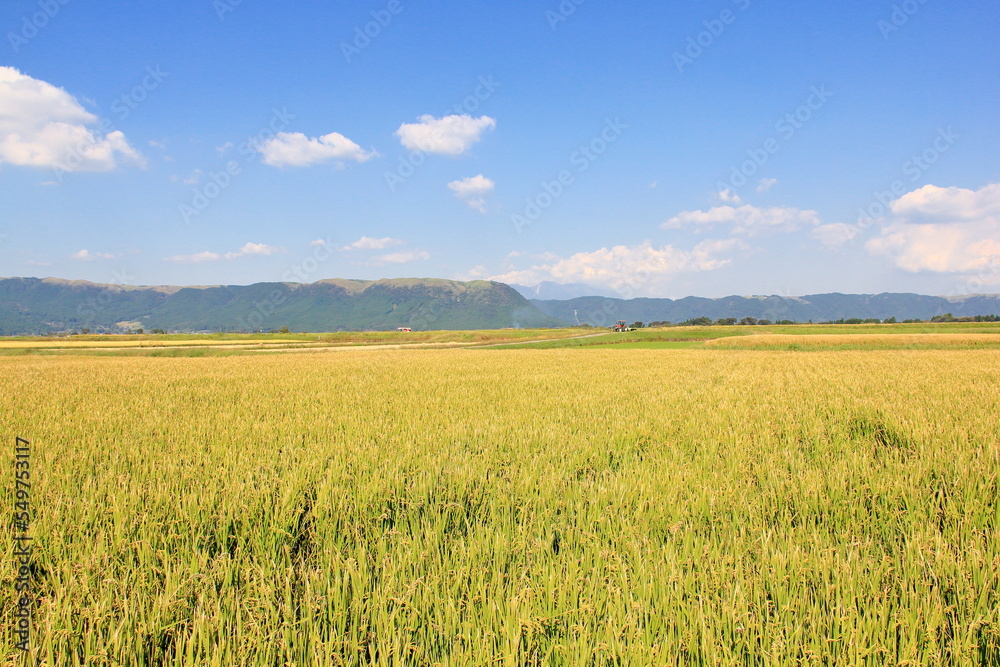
{"x":946,"y":336}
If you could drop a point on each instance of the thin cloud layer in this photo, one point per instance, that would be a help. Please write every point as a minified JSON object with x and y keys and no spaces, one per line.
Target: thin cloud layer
{"x":404,"y":257}
{"x":745,"y":220}
{"x":248,"y":250}
{"x":87,"y":256}
{"x":450,"y":135}
{"x":44,"y":126}
{"x":294,"y":149}
{"x":368,"y":243}
{"x":630,"y":270}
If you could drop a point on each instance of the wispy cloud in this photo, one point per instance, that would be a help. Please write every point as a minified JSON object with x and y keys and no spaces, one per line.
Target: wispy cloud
{"x":248,"y":250}
{"x":369,"y":243}
{"x":630,"y":270}
{"x":403,"y":257}
{"x":746,"y":220}
{"x":766,"y":184}
{"x":87,"y":256}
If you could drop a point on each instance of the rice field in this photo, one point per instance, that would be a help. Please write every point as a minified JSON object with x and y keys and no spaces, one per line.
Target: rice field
{"x":864,"y":341}
{"x":592,"y":506}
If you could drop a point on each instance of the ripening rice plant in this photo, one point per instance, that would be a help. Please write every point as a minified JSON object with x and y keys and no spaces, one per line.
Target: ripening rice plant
{"x":521,"y":507}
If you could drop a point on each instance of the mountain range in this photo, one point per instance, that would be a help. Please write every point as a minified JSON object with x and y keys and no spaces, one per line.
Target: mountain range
{"x":38,"y":306}
{"x":602,"y":311}
{"x":49,"y":305}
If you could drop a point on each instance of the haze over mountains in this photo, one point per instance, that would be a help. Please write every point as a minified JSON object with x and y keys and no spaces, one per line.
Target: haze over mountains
{"x":40,"y":306}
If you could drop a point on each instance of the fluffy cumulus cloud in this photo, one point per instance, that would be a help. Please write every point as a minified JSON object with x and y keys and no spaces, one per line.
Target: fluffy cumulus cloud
{"x":294,"y":149}
{"x":450,"y":135}
{"x":369,"y":243}
{"x":629,"y":270}
{"x":44,"y":126}
{"x":746,"y":220}
{"x":944,"y":230}
{"x":473,"y":191}
{"x":248,"y":250}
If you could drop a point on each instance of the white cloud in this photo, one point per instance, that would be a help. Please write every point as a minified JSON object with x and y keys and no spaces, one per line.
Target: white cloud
{"x":403,"y":257}
{"x":368,"y":243}
{"x":727,"y":196}
{"x":944,"y":230}
{"x":629,"y":270}
{"x":747,"y":220}
{"x":933,"y":204}
{"x":196,"y":258}
{"x":44,"y":126}
{"x":87,"y":256}
{"x":248,"y":250}
{"x":450,"y":135}
{"x":766,"y":184}
{"x":473,"y":191}
{"x":294,"y":149}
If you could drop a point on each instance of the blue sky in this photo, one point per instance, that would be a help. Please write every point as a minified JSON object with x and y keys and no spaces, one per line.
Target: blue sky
{"x":668,"y":149}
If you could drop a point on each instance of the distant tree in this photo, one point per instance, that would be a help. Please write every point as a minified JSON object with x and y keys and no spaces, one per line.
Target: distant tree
{"x":947,"y":317}
{"x":726,"y":322}
{"x":784,"y":322}
{"x":637,"y":324}
{"x":891,"y":320}
{"x":140,"y":330}
{"x":158,"y":331}
{"x":763,"y":323}
{"x":284,"y":330}
{"x":84,"y":331}
{"x":748,"y":321}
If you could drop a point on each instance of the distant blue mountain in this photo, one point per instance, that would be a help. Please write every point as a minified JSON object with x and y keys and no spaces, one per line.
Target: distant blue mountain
{"x":603,"y":311}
